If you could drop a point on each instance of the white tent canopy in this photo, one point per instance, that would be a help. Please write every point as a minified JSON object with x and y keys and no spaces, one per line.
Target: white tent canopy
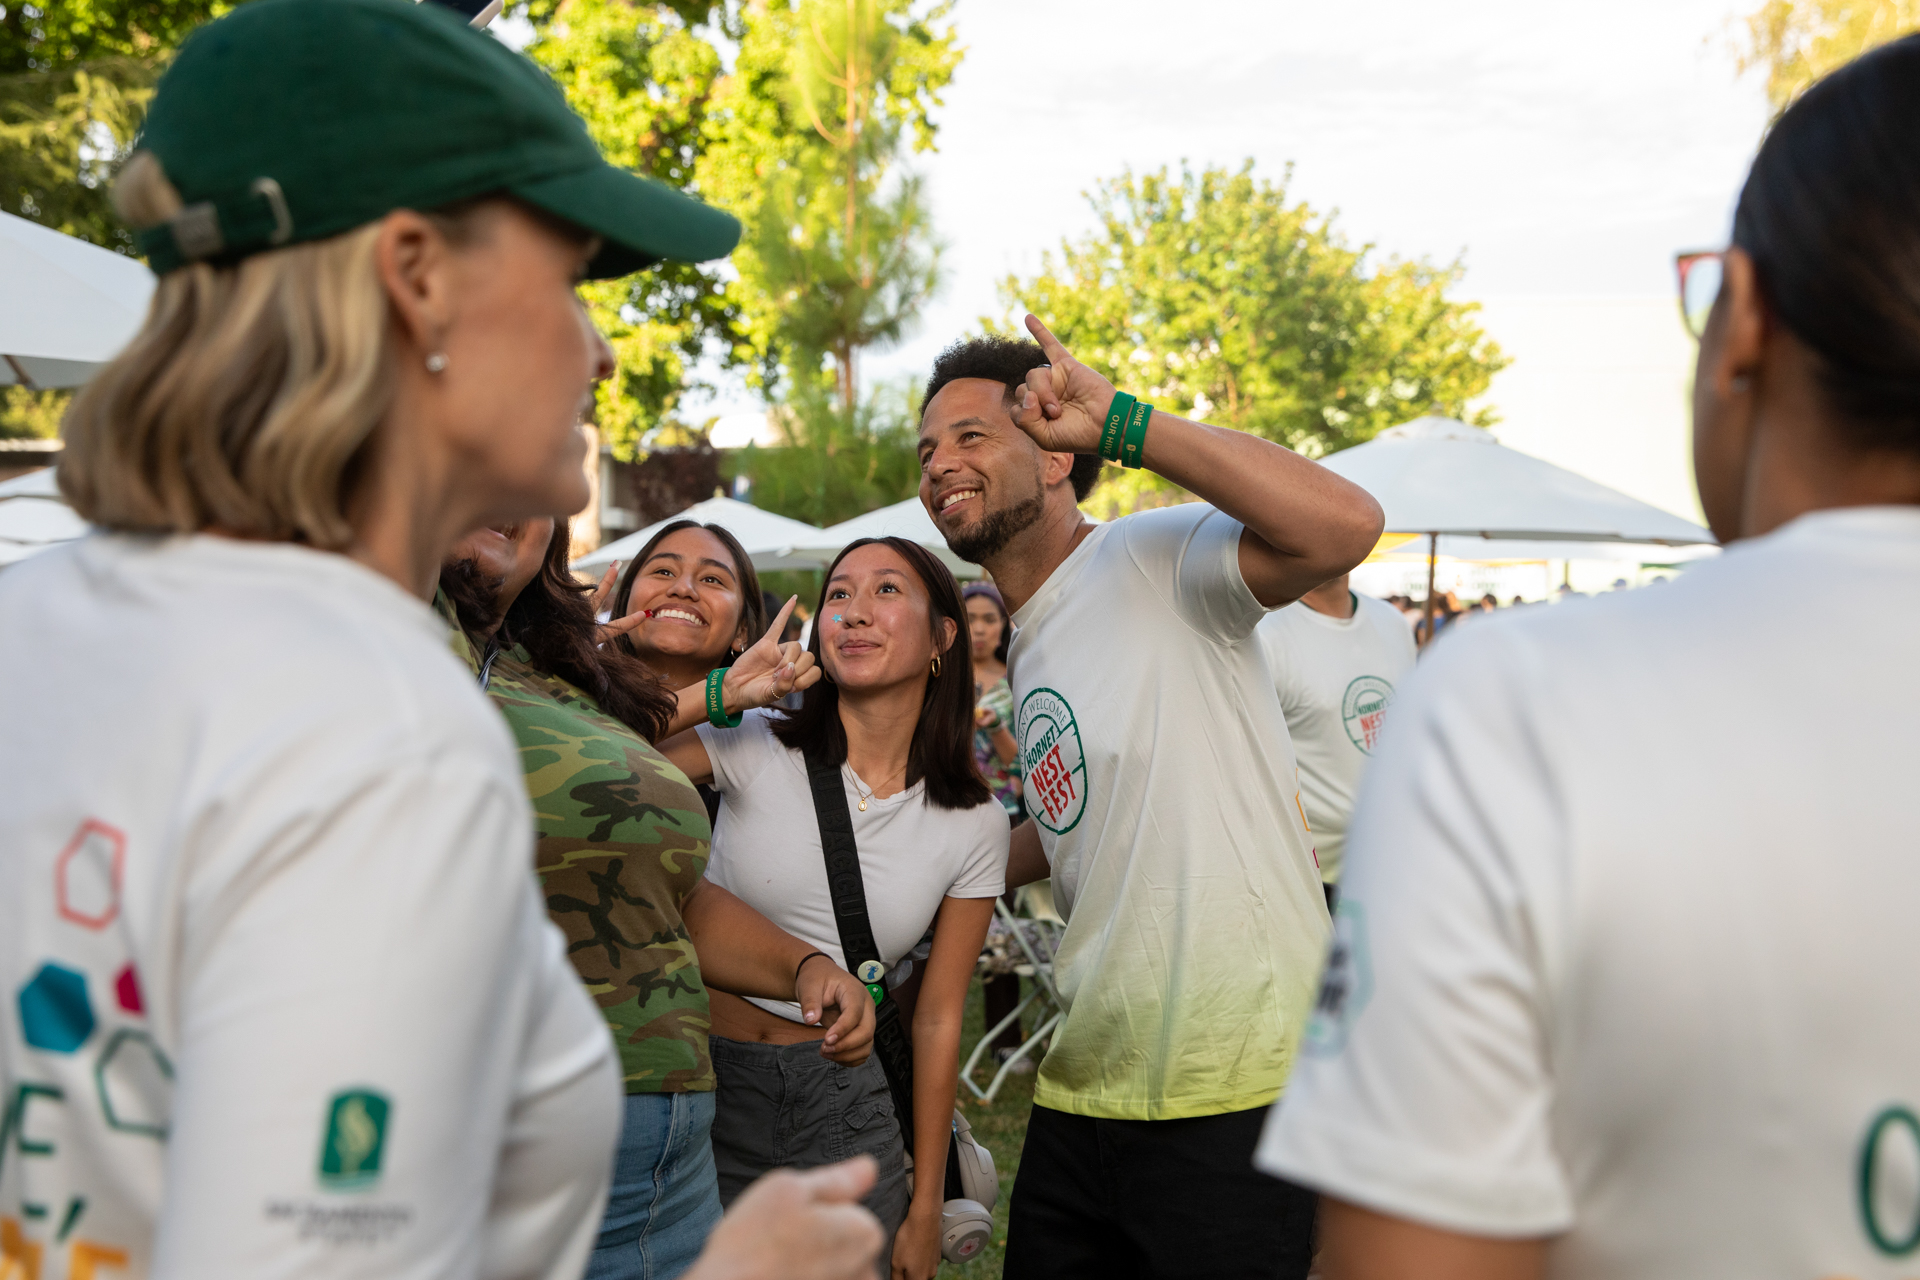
{"x":66,"y":306}
{"x":34,"y":517}
{"x":1439,"y":476}
{"x":1491,"y":550}
{"x":907,"y":520}
{"x":772,"y":541}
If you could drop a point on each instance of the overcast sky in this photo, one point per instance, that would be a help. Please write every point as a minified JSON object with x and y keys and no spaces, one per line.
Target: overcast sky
{"x":1560,"y":149}
{"x":1563,"y":151}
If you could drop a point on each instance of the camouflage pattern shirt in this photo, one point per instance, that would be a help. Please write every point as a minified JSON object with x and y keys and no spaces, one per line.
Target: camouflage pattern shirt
{"x":622,"y":840}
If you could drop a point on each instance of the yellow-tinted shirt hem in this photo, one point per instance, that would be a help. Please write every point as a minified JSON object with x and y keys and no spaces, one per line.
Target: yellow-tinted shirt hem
{"x":1180,"y":1108}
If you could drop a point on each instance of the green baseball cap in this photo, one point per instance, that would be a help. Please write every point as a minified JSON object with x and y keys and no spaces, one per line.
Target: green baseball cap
{"x":294,"y":120}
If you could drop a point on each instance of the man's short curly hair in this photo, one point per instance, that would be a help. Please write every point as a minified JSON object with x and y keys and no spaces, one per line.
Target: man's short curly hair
{"x":1006,"y":361}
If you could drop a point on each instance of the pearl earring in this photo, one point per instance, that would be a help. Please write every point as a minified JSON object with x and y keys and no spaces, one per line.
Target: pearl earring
{"x":437,"y":362}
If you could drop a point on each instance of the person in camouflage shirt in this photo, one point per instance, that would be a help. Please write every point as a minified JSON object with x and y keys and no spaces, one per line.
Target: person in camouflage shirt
{"x":622,"y":841}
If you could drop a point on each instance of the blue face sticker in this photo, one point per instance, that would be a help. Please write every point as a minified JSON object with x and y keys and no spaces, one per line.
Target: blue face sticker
{"x":836,"y":617}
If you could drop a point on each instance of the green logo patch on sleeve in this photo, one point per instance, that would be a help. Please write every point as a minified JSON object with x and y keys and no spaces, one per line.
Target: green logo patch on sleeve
{"x":354,"y":1141}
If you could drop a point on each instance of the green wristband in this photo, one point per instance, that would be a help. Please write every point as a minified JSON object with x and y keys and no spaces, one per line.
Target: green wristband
{"x":1136,"y":437}
{"x":716,"y":707}
{"x":1116,"y":425}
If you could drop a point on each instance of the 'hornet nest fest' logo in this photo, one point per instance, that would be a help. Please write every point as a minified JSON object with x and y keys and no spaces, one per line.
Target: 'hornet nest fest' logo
{"x":1053,"y":762}
{"x":1362,"y":710}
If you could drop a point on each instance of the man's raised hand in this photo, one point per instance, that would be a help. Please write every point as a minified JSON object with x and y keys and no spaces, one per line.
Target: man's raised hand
{"x":1064,"y":405}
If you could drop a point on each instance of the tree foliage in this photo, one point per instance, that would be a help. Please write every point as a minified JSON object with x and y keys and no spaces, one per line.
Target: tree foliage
{"x":1797,"y":41}
{"x":643,"y":76}
{"x":1212,"y":293}
{"x":832,"y":465}
{"x":800,"y":138}
{"x":75,"y":79}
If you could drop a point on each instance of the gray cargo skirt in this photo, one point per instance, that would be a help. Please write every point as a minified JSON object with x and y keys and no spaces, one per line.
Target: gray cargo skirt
{"x":783,"y":1106}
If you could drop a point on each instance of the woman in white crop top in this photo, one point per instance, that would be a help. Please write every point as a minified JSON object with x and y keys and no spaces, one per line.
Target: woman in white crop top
{"x":896,"y":712}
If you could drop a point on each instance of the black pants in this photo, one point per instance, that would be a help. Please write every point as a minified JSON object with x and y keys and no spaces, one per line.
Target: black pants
{"x":1153,"y":1199}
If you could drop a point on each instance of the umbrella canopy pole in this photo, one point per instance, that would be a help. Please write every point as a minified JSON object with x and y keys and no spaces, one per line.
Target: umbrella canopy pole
{"x":20,"y":374}
{"x":1433,"y":553}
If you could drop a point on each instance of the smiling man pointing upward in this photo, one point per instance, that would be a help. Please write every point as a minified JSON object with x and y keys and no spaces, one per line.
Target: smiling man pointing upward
{"x":1163,"y":793}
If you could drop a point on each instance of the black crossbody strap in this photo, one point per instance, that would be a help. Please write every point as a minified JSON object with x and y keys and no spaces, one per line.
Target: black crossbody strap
{"x":849,"y":893}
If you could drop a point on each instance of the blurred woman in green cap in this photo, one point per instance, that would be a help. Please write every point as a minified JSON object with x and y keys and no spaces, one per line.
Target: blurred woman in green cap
{"x":288,"y":1000}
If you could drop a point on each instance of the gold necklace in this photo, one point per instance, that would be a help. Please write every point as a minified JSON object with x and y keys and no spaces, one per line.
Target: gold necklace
{"x":868,"y":793}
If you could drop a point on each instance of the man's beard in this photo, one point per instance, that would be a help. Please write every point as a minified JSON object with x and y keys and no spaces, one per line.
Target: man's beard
{"x":991,"y":536}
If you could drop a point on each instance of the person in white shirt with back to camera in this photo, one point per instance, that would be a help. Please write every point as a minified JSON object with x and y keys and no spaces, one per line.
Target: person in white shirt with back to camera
{"x":1622,"y":985}
{"x":1336,"y":658}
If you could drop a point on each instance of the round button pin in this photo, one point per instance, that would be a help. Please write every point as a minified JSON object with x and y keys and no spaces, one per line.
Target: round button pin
{"x":870,"y":971}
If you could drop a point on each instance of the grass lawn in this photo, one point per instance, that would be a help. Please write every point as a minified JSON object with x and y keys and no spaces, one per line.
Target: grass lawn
{"x":1001,"y":1127}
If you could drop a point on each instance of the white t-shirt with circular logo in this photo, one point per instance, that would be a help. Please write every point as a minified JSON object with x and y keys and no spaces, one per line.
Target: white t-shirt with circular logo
{"x":1159,"y":773}
{"x":1336,"y":678}
{"x":1629,"y":934}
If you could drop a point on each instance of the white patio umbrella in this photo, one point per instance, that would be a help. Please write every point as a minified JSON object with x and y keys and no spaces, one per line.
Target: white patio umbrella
{"x":34,"y":517}
{"x":66,"y":306}
{"x":1438,"y":476}
{"x":772,"y":541}
{"x":1493,"y":550}
{"x":907,"y":520}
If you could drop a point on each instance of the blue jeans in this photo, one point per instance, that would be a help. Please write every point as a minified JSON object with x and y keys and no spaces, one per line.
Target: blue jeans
{"x":665,"y":1197}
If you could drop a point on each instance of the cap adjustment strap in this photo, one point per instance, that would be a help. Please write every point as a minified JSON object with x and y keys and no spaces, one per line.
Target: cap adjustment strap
{"x":208,"y":229}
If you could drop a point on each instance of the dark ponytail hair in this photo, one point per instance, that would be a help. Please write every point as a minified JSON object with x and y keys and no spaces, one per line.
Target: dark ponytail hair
{"x":1831,"y":217}
{"x":553,"y":621}
{"x":942,"y":750}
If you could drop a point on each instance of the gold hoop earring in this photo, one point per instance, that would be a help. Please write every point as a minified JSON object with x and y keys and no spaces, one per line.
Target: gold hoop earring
{"x":934,"y":666}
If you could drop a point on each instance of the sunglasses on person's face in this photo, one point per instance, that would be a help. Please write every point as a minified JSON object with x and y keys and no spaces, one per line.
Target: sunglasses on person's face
{"x":1700,"y":278}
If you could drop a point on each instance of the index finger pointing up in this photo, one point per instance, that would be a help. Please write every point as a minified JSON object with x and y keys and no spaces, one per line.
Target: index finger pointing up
{"x":780,"y":622}
{"x":1048,"y":343}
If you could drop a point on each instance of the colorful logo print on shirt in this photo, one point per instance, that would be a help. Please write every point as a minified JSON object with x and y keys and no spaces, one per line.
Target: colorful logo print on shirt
{"x":1363,"y":708}
{"x":355,"y":1141}
{"x":1889,"y":1152}
{"x":1055,"y":765}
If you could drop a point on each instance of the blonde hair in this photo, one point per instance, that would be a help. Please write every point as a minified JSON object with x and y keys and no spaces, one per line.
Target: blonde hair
{"x":247,"y":400}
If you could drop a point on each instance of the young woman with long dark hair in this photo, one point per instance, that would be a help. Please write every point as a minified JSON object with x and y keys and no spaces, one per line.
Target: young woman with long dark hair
{"x":895,"y":713}
{"x":622,"y":839}
{"x":689,"y":602}
{"x":699,"y":597}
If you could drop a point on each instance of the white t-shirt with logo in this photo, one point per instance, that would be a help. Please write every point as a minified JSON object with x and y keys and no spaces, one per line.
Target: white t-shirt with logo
{"x":1160,"y":775}
{"x":766,"y":847}
{"x":1627,"y":943}
{"x":1336,"y":678}
{"x":281,"y":995}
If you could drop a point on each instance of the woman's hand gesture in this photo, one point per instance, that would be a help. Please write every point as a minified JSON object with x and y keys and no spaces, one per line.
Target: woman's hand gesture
{"x":769,"y":671}
{"x":601,"y":600}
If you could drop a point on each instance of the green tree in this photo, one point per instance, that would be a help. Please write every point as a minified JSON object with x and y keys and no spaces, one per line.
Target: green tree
{"x":1797,"y":41}
{"x":811,"y":134}
{"x":801,"y":140}
{"x":1211,"y":292}
{"x":75,"y":79}
{"x":831,"y":465}
{"x":643,"y":76}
